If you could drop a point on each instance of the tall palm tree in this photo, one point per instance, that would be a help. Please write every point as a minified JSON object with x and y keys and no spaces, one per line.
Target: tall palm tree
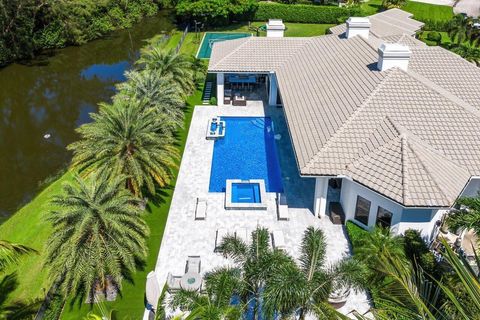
{"x":126,"y":139}
{"x":165,"y":63}
{"x":258,"y":261}
{"x":304,"y":289}
{"x":216,"y":302}
{"x":156,"y":91}
{"x":98,"y":235}
{"x":467,"y":217}
{"x":10,"y":253}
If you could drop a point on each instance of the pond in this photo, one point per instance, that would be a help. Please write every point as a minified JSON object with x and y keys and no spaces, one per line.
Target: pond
{"x":43,"y":102}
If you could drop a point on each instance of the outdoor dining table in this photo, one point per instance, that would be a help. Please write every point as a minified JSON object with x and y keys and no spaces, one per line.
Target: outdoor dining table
{"x":191,"y":281}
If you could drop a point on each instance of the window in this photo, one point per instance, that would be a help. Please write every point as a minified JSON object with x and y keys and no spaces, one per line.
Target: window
{"x":362,"y":210}
{"x":384,"y":218}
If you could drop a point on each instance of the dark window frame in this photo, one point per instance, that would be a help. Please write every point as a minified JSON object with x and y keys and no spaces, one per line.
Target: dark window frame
{"x":366,"y":208}
{"x":379,"y":221}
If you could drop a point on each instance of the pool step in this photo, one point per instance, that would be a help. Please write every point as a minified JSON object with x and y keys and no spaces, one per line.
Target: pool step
{"x":207,"y":93}
{"x":260,"y":123}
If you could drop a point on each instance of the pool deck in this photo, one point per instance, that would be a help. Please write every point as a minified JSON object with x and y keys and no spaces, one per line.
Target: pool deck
{"x":184,"y":236}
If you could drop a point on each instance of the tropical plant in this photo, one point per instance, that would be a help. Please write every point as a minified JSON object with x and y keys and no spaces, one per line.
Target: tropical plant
{"x":156,"y":91}
{"x":471,"y":54}
{"x":98,"y":235}
{"x":215,"y":303}
{"x":461,"y":28}
{"x":176,"y":66}
{"x":304,"y":289}
{"x":127,"y":139}
{"x":257,"y":260}
{"x":389,"y":4}
{"x":10,"y":253}
{"x":467,"y":216}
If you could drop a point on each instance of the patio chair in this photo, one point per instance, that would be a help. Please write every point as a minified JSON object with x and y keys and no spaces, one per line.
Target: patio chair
{"x":221,"y":233}
{"x":278,"y":240}
{"x":201,"y":209}
{"x":193,"y":264}
{"x":336,"y":213}
{"x":282,"y":207}
{"x":173,"y":282}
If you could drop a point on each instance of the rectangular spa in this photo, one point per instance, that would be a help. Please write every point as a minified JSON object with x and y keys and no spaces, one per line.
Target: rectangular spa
{"x":246,"y":194}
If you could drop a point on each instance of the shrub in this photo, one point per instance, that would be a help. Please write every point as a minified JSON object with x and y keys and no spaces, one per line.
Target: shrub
{"x":437,"y":25}
{"x":355,"y":233}
{"x":213,"y":101}
{"x":434,"y":36}
{"x":304,"y":13}
{"x":417,"y":251}
{"x":216,"y":12}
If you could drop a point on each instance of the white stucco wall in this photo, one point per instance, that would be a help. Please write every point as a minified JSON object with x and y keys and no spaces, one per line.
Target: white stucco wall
{"x":275,"y":33}
{"x":422,"y":219}
{"x":320,"y":196}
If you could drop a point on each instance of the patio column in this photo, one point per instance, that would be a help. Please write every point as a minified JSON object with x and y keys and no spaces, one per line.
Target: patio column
{"x":220,"y":88}
{"x":320,"y":198}
{"x":272,"y":90}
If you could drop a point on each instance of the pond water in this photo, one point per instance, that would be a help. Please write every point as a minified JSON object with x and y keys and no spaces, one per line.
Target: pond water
{"x":43,"y":102}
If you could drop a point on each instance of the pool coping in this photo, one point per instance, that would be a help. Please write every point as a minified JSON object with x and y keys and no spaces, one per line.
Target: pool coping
{"x":229,"y":205}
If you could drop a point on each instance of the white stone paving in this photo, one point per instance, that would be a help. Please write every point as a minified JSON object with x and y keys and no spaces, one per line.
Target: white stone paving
{"x":184,"y":236}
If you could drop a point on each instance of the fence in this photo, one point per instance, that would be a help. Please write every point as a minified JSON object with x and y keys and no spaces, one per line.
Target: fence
{"x":179,"y":45}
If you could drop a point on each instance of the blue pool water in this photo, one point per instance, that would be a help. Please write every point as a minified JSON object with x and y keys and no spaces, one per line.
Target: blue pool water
{"x":246,"y":193}
{"x":246,"y":152}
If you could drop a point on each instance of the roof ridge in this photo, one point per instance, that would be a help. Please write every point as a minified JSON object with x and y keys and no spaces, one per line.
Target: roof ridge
{"x":348,"y":120}
{"x":443,"y":92}
{"x":247,"y":39}
{"x":309,"y":40}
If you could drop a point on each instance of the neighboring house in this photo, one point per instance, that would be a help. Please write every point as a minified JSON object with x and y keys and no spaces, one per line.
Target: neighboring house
{"x":389,"y":127}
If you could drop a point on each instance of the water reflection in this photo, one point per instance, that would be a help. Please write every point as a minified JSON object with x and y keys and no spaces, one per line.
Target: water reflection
{"x":42,"y":103}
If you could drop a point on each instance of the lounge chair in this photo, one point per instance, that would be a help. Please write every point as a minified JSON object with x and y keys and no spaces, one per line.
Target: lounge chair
{"x":201,"y":209}
{"x":193,"y":264}
{"x":173,"y":282}
{"x":278,"y":239}
{"x":282,"y":207}
{"x":242,"y":234}
{"x":221,"y":233}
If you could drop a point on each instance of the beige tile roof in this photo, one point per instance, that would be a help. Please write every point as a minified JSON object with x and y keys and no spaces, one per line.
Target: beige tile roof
{"x":411,"y":135}
{"x":387,"y":23}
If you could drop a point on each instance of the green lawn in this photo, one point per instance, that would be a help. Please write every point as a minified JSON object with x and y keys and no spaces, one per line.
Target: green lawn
{"x":425,"y":11}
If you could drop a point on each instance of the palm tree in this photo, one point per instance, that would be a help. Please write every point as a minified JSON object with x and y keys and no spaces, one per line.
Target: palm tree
{"x":156,"y":91}
{"x":126,"y":139}
{"x":10,"y":253}
{"x":467,"y":217}
{"x":304,"y":289}
{"x":216,"y":302}
{"x":461,"y":29}
{"x":98,"y":235}
{"x":258,"y":261}
{"x":469,"y":53}
{"x":169,"y":64}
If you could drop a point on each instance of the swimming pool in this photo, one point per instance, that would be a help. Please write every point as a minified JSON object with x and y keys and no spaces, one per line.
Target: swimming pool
{"x":210,"y":38}
{"x":247,"y":152}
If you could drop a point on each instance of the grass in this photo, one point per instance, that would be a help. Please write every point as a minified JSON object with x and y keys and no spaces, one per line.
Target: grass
{"x":428,"y":12}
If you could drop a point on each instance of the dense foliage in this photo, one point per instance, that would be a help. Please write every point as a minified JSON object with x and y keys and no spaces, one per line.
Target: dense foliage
{"x":304,"y":13}
{"x":216,"y":12}
{"x":28,"y":26}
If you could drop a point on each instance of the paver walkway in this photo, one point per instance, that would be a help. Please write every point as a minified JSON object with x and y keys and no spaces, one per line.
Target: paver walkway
{"x":184,"y":236}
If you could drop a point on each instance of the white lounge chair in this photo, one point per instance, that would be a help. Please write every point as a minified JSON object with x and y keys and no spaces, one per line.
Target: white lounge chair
{"x":193,"y":264}
{"x":201,"y":209}
{"x":173,"y":282}
{"x":282,"y":207}
{"x":221,"y":233}
{"x":242,"y":234}
{"x":278,"y":239}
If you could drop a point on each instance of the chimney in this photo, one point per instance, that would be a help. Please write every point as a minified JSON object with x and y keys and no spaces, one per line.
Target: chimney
{"x":275,"y":28}
{"x":358,"y":26}
{"x":391,"y":55}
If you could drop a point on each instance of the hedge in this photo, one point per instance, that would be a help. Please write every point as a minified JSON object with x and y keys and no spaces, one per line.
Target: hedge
{"x":355,"y":233}
{"x":304,"y":13}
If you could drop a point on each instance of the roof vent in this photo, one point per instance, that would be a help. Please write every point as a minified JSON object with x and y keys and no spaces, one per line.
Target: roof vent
{"x":391,"y":55}
{"x":358,"y":26}
{"x":275,"y":28}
